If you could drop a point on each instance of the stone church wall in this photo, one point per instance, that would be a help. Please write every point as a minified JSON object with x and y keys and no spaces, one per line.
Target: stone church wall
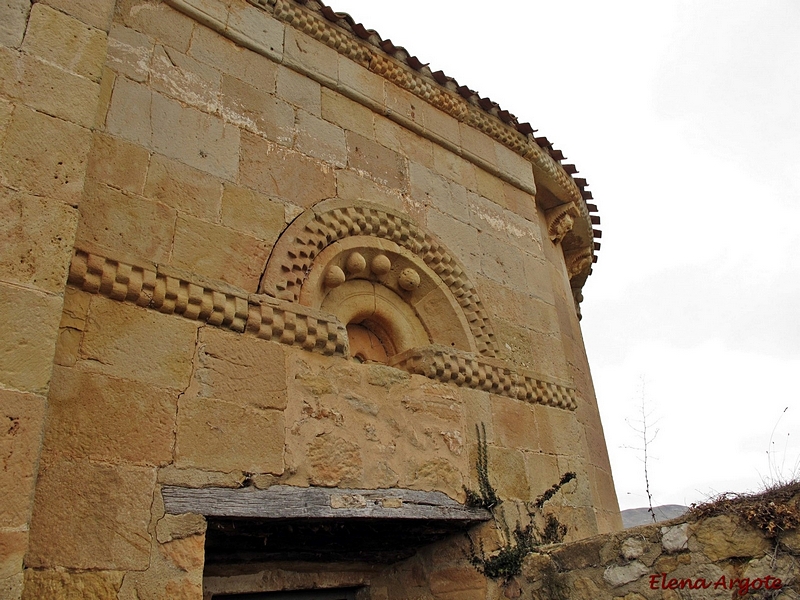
{"x":180,"y":182}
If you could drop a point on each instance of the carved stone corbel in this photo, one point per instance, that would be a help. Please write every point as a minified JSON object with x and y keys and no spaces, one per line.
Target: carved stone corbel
{"x":560,"y":220}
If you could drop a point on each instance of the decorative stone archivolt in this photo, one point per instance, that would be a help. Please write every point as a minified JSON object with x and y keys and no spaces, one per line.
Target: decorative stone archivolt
{"x":397,"y":254}
{"x":173,"y":291}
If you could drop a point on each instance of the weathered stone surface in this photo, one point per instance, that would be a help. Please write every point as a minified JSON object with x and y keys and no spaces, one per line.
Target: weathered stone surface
{"x":21,"y":420}
{"x":352,"y":185}
{"x":515,"y":424}
{"x":48,"y":88}
{"x":119,"y":342}
{"x":184,"y":188}
{"x":617,"y":575}
{"x":37,"y":236}
{"x":118,"y":163}
{"x":26,"y":349}
{"x":257,"y":25}
{"x":219,"y":253}
{"x":283,"y":173}
{"x":196,"y":478}
{"x":385,"y":166}
{"x":60,"y":585}
{"x":455,"y":579}
{"x":632,"y":548}
{"x":347,"y":114}
{"x":96,"y":13}
{"x":223,"y":54}
{"x":181,"y":77}
{"x":11,"y":587}
{"x":44,"y":155}
{"x":65,"y":41}
{"x":241,"y":368}
{"x":195,"y":138}
{"x":110,"y":420}
{"x":178,"y":527}
{"x":322,"y":140}
{"x":439,"y":474}
{"x":13,"y":545}
{"x":253,"y":213}
{"x":226,"y":436}
{"x":157,"y":20}
{"x":675,"y":538}
{"x":334,"y":461}
{"x":300,"y":91}
{"x":105,"y":523}
{"x":129,"y":53}
{"x":725,"y":536}
{"x":13,"y":20}
{"x":257,"y":111}
{"x":185,"y":553}
{"x":125,"y":224}
{"x":310,"y":56}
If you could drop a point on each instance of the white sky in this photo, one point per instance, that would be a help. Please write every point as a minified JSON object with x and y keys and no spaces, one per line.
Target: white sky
{"x":684,"y":116}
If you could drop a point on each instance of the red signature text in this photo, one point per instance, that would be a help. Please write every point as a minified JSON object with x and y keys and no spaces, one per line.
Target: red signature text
{"x":659,"y":581}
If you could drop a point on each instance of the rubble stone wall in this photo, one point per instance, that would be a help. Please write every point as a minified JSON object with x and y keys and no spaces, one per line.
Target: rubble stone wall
{"x":154,"y":157}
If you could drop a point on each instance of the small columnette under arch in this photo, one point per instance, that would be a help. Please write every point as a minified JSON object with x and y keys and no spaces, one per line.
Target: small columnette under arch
{"x":392,"y":285}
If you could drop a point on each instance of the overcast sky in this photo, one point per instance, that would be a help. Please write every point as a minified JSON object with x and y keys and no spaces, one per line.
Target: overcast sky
{"x":684,"y":116}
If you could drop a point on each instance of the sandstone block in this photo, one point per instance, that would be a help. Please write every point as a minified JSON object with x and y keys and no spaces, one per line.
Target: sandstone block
{"x":260,"y":27}
{"x":333,"y":461}
{"x":542,"y":471}
{"x":257,"y":111}
{"x":515,"y":166}
{"x":129,"y":112}
{"x":178,"y":527}
{"x":124,"y":224}
{"x":184,"y":188}
{"x":403,"y":103}
{"x":491,"y":187}
{"x":299,"y":90}
{"x":196,"y":478}
{"x":110,"y":420}
{"x":354,"y":77}
{"x":65,"y":41}
{"x":21,"y":420}
{"x":348,"y":114}
{"x":13,"y":20}
{"x":105,"y":524}
{"x":224,"y":55}
{"x":458,"y":238}
{"x":13,"y":545}
{"x":37,"y":236}
{"x":240,"y":368}
{"x":441,"y":475}
{"x":48,"y":88}
{"x":96,"y":13}
{"x":118,"y":163}
{"x":227,"y":436}
{"x":415,"y":148}
{"x":219,"y":253}
{"x":186,"y":553}
{"x":157,"y":20}
{"x":26,"y":349}
{"x":352,"y":185}
{"x":386,"y":166}
{"x":119,"y":341}
{"x":44,"y":156}
{"x":181,"y":77}
{"x":454,"y":168}
{"x":482,"y":146}
{"x":253,"y":213}
{"x":283,"y":173}
{"x":309,"y":55}
{"x":726,"y":537}
{"x":507,"y":473}
{"x":61,"y":585}
{"x":440,"y":124}
{"x":515,"y":424}
{"x":522,"y":203}
{"x":195,"y":138}
{"x":320,"y":139}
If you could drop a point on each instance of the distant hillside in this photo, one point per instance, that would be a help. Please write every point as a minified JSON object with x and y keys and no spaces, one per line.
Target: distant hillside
{"x":641,"y":516}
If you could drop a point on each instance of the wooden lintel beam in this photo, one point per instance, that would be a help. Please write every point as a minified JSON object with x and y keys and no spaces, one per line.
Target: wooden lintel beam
{"x":286,"y":502}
